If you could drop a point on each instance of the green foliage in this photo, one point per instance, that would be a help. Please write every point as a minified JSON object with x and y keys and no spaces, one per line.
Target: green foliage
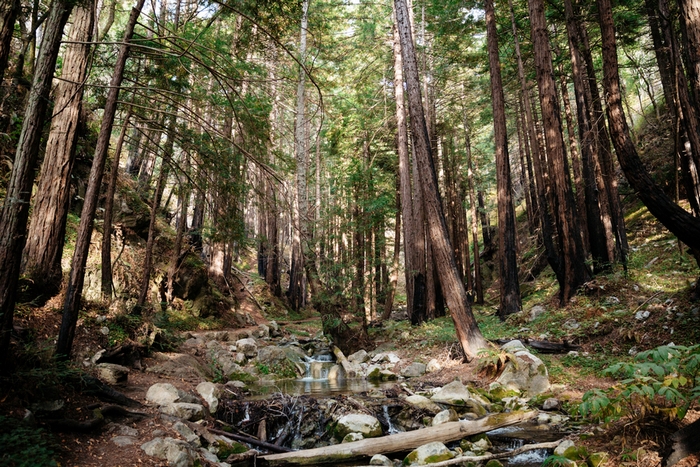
{"x":663,"y":381}
{"x":24,"y":445}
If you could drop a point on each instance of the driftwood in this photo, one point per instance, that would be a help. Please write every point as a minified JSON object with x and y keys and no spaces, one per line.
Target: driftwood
{"x":251,"y":440}
{"x":544,"y":346}
{"x":446,"y":432}
{"x":347,"y":366}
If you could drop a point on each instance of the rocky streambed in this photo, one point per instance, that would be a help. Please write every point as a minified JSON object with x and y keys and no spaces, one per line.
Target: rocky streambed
{"x":372,"y":406}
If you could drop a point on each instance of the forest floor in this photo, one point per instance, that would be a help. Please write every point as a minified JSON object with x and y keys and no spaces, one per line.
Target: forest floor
{"x":603,"y":321}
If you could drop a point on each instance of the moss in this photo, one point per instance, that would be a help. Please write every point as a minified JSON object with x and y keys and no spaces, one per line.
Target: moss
{"x":493,"y":463}
{"x":375,"y":375}
{"x":226,"y":450}
{"x":576,"y":453}
{"x":242,"y":376}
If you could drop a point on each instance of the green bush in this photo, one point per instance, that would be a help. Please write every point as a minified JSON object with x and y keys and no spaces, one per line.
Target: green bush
{"x":24,"y":445}
{"x":663,"y":381}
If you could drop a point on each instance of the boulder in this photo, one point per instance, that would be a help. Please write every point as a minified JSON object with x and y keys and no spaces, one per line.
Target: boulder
{"x":190,"y":277}
{"x":414,"y":370}
{"x":352,"y":437}
{"x":454,"y":393}
{"x":275,"y":330}
{"x":184,"y":410}
{"x":360,"y":356}
{"x":111,"y":373}
{"x":423,"y":403}
{"x":210,"y":392}
{"x":551,"y":404}
{"x":527,"y":374}
{"x":263,"y":331}
{"x":445,"y":416}
{"x":122,"y":441}
{"x":536,"y":311}
{"x":367,"y":425}
{"x":178,"y":453}
{"x":380,"y":459}
{"x":187,"y":433}
{"x":433,"y":366}
{"x":162,"y":394}
{"x":248,"y":347}
{"x":563,"y":446}
{"x":386,"y":357}
{"x":179,"y":365}
{"x":430,"y":453}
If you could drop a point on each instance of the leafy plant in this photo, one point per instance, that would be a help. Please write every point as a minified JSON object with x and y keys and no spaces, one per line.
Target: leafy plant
{"x":24,"y":445}
{"x":663,"y":381}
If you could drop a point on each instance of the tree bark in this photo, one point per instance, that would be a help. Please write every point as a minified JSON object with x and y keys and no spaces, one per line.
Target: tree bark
{"x":74,"y":290}
{"x":468,"y":332}
{"x":15,"y":209}
{"x":676,"y":219}
{"x":478,"y":291}
{"x":8,"y":15}
{"x":574,"y":270}
{"x":510,"y":301}
{"x":50,"y":210}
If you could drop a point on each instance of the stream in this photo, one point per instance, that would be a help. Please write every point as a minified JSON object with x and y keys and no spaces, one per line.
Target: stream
{"x":297,"y":413}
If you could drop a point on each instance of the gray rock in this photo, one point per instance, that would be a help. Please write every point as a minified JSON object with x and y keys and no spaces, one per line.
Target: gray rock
{"x":612,"y":300}
{"x":177,"y":453}
{"x":273,"y":355}
{"x":571,"y":324}
{"x":424,"y":403}
{"x":513,"y":346}
{"x":184,"y":410}
{"x":122,"y":430}
{"x":187,"y":433}
{"x":360,"y":356}
{"x":275,"y":330}
{"x":386,"y":357}
{"x":454,"y":393}
{"x":367,"y":425}
{"x":221,"y":358}
{"x":179,"y":365}
{"x":536,"y":311}
{"x":641,"y":315}
{"x":429,"y":454}
{"x":527,"y":374}
{"x":433,"y":366}
{"x":112,"y":373}
{"x":248,"y":347}
{"x":239,"y":358}
{"x":210,"y":392}
{"x":414,"y":370}
{"x":445,"y":416}
{"x":122,"y":441}
{"x":104,"y":330}
{"x":162,"y":394}
{"x":563,"y":446}
{"x":263,"y":331}
{"x":551,"y":404}
{"x":380,"y":459}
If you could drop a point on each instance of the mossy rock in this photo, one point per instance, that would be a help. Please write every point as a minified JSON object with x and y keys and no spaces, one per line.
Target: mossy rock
{"x":226,"y":450}
{"x":242,"y":377}
{"x":598,"y":459}
{"x":375,"y":375}
{"x":576,"y":453}
{"x":493,"y":463}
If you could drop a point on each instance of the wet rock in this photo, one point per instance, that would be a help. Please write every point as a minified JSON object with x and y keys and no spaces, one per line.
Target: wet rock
{"x":380,"y":459}
{"x":111,"y":373}
{"x":122,"y":441}
{"x":433,"y":366}
{"x":210,"y":392}
{"x":367,"y":425}
{"x":454,"y":393}
{"x":178,"y":453}
{"x":187,"y":433}
{"x":424,"y":403}
{"x":563,"y":446}
{"x":414,"y":370}
{"x":478,"y":444}
{"x":527,"y":374}
{"x":184,"y":410}
{"x":430,"y":453}
{"x":445,"y":416}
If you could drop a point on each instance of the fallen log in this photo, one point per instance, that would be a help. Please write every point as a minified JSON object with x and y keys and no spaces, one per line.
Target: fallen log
{"x":350,"y":371}
{"x":544,"y":346}
{"x":408,"y":441}
{"x":250,"y":440}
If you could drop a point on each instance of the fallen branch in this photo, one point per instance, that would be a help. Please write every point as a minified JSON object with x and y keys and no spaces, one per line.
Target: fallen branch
{"x":249,"y":440}
{"x":488,"y":457}
{"x":445,"y":433}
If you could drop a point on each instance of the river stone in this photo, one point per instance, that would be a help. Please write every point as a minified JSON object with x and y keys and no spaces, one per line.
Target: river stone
{"x":563,"y":446}
{"x":263,"y":331}
{"x":527,"y":374}
{"x":430,"y":453}
{"x":551,"y":404}
{"x":248,"y":347}
{"x":360,"y":356}
{"x":414,"y":370}
{"x":187,"y":433}
{"x":352,"y":437}
{"x":424,"y":403}
{"x":386,"y":357}
{"x":210,"y":392}
{"x":380,"y":459}
{"x":275,"y":355}
{"x":221,"y":358}
{"x":513,"y":346}
{"x":433,"y":366}
{"x":162,"y":394}
{"x":454,"y":393}
{"x":176,"y":452}
{"x":335,"y":372}
{"x":184,"y":410}
{"x":178,"y":365}
{"x":111,"y":373}
{"x":366,"y":425}
{"x":478,"y":444}
{"x":445,"y":416}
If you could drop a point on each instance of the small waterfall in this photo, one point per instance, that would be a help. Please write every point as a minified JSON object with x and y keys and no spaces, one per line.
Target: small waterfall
{"x":246,"y":418}
{"x":392,"y":429}
{"x":317,"y":367}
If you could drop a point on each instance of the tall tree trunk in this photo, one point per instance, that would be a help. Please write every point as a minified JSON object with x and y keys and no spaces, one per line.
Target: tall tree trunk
{"x":297,"y":285}
{"x":15,"y":208}
{"x":478,"y":291}
{"x":575,"y":272}
{"x":183,"y":199}
{"x":507,"y":265}
{"x":108,"y":214}
{"x":74,"y":290}
{"x":676,"y":219}
{"x":468,"y":332}
{"x":48,"y":224}
{"x":391,"y":289}
{"x":8,"y":15}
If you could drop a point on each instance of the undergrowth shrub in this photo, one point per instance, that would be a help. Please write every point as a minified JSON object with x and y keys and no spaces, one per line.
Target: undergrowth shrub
{"x":664,"y":381}
{"x":24,"y":445}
